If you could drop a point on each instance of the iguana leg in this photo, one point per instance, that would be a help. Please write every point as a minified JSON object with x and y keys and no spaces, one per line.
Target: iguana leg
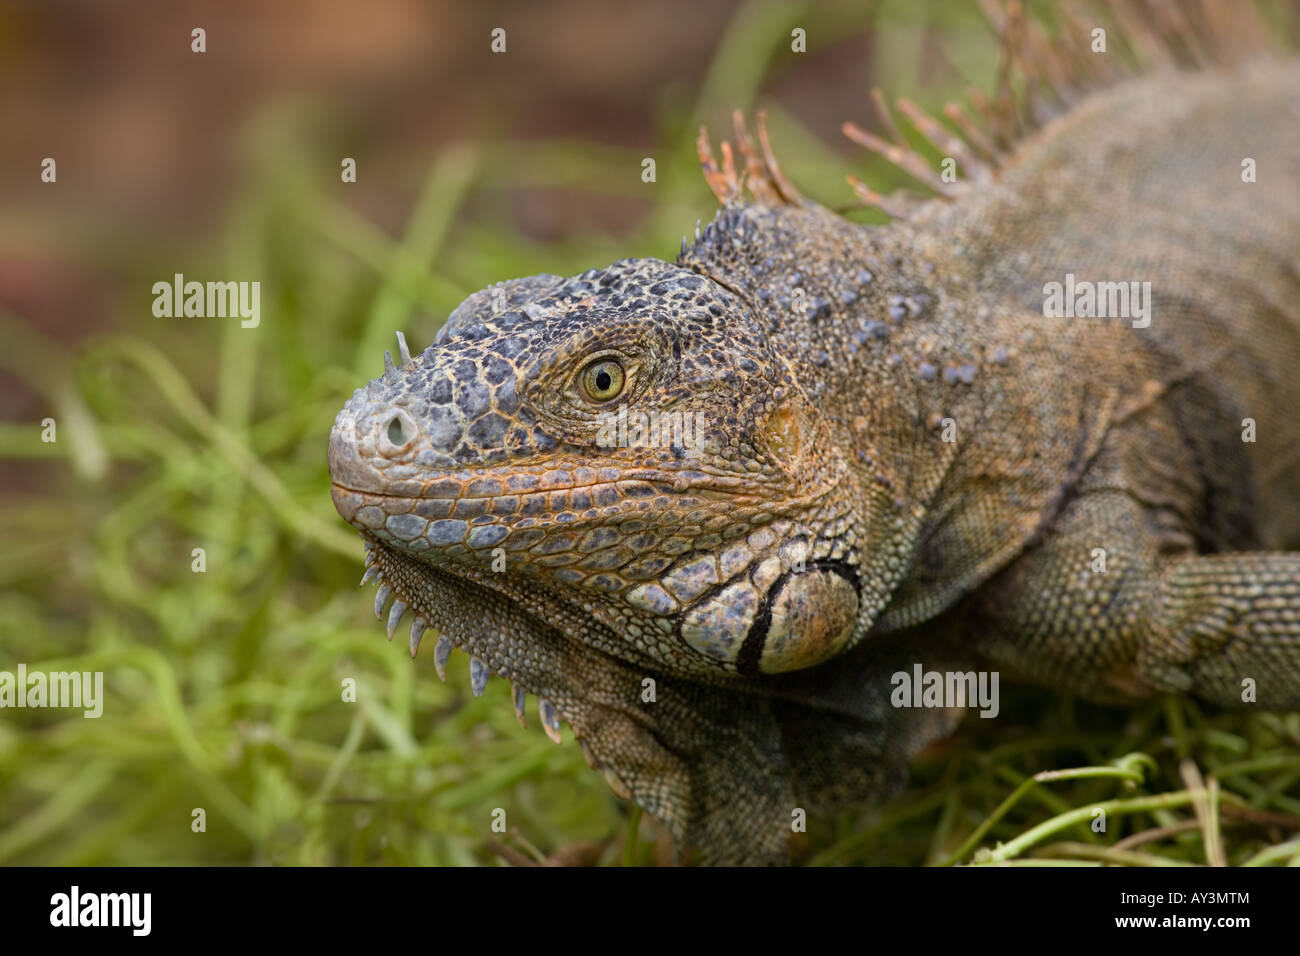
{"x":1147,"y":621}
{"x":1222,"y":618}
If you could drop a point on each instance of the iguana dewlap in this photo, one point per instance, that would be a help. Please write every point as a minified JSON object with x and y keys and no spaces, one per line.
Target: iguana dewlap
{"x":884,"y":454}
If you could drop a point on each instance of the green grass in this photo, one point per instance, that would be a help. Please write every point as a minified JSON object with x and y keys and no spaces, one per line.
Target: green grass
{"x":224,"y":688}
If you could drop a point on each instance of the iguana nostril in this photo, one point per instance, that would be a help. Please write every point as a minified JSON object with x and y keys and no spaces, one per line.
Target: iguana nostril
{"x":395,"y":432}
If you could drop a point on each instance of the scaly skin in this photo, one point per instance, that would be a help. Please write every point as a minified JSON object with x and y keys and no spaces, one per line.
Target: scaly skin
{"x":826,"y":535}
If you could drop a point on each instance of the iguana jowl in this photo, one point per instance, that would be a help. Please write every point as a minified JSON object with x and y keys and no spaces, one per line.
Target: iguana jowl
{"x":902,"y":460}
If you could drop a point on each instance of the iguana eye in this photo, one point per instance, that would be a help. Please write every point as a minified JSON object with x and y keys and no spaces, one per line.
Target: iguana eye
{"x":603,"y":380}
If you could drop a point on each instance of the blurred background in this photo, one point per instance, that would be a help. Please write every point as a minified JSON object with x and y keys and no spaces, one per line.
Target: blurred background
{"x":222,"y":688}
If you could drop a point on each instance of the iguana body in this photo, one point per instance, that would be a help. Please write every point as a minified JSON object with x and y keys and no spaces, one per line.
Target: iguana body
{"x":903,"y":462}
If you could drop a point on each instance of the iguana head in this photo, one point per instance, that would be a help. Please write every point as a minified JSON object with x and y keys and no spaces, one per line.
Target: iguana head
{"x":612,"y":490}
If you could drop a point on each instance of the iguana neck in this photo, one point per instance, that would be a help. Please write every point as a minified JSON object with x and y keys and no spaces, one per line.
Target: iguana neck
{"x":915,"y":367}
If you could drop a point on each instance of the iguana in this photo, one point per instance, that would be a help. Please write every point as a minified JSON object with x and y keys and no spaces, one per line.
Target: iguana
{"x":897,"y":458}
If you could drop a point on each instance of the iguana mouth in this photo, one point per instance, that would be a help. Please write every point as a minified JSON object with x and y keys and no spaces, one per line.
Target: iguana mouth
{"x":544,"y":532}
{"x":473,"y":485}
